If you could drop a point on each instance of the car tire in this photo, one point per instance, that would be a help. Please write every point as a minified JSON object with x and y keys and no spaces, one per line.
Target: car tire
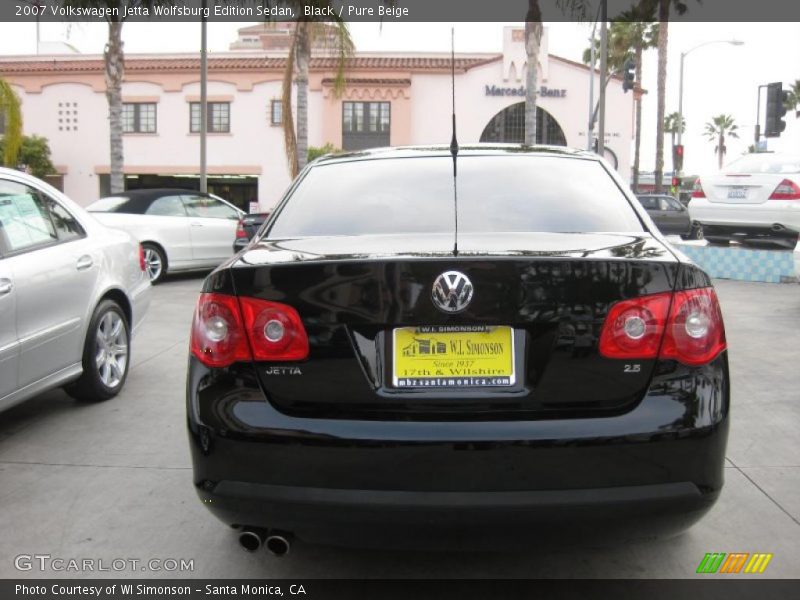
{"x":695,"y":232}
{"x":155,"y":262}
{"x":106,"y":355}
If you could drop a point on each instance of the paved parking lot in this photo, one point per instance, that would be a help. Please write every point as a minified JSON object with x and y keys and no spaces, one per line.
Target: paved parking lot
{"x":113,"y":480}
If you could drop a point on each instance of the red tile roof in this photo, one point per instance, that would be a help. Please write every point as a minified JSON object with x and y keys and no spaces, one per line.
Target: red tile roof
{"x":235,"y":63}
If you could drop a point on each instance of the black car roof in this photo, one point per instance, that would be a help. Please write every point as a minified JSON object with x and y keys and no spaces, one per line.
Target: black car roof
{"x":466,"y":150}
{"x":140,"y":200}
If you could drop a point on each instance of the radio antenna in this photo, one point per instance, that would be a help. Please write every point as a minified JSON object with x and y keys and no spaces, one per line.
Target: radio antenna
{"x":453,"y":140}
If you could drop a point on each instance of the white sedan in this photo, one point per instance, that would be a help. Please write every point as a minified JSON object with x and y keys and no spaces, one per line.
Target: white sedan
{"x":72,"y":293}
{"x":180,"y":230}
{"x":754,"y":199}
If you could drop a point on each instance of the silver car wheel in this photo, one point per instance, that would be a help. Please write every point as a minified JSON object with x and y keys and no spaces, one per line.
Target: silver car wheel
{"x":111,"y":344}
{"x":153,"y":262}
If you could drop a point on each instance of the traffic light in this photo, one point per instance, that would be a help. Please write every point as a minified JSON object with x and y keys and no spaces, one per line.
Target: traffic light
{"x":628,"y":75}
{"x":776,"y":109}
{"x":677,"y":158}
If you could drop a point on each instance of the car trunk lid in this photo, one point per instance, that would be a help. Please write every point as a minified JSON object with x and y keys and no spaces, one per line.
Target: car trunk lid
{"x":552,"y":290}
{"x":741,"y":188}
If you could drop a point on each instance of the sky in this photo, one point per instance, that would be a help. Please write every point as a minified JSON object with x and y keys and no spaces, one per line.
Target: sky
{"x":718,"y":78}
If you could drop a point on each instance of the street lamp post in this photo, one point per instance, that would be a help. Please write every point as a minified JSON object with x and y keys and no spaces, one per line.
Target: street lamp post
{"x":680,"y":86}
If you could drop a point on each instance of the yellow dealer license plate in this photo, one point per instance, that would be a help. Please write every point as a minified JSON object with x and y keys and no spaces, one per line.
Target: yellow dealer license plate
{"x":453,"y":356}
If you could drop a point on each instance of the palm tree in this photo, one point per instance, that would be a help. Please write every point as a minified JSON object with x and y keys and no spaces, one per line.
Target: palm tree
{"x":533,"y":43}
{"x":629,"y":38}
{"x":11,"y":115}
{"x":664,"y":9}
{"x":671,"y":127}
{"x":793,"y":102}
{"x":717,"y":129}
{"x":114,"y":63}
{"x":333,"y":36}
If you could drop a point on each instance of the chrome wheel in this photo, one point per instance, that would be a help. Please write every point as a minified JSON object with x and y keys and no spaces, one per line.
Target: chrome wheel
{"x":111,"y":346}
{"x":153,"y":263}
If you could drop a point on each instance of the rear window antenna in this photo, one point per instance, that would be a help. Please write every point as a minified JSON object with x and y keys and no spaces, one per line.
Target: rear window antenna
{"x":453,"y":140}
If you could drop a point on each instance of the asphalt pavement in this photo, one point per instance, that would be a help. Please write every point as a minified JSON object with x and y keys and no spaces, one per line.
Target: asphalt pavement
{"x":113,"y":480}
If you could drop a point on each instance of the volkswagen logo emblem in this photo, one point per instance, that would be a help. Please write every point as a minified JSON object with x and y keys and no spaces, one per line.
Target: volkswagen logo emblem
{"x":452,"y":292}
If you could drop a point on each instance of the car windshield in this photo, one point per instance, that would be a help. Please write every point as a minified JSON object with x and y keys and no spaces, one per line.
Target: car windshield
{"x":109,"y":204}
{"x":759,"y":163}
{"x":513,"y":193}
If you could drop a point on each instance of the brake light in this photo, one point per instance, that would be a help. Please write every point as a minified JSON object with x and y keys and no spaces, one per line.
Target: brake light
{"x":218,"y":337}
{"x":142,"y":261}
{"x":227,"y":329}
{"x":685,"y":326}
{"x":695,"y":334}
{"x":240,"y":232}
{"x":634,"y":328}
{"x":786,"y":190}
{"x":697,"y":190}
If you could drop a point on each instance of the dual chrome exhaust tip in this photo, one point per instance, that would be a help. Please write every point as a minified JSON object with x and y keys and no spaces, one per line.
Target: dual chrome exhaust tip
{"x":277,"y":543}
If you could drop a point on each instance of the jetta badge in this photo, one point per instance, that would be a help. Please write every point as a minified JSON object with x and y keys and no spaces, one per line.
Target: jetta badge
{"x":452,"y":292}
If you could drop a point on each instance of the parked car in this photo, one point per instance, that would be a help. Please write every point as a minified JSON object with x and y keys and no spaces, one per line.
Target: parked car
{"x":363,"y":373}
{"x":180,"y":229}
{"x":72,"y":294}
{"x":247,"y":228}
{"x":670,"y":216}
{"x":754,"y":199}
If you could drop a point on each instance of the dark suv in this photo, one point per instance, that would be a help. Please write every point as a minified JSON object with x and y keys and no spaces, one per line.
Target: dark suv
{"x":366,"y":372}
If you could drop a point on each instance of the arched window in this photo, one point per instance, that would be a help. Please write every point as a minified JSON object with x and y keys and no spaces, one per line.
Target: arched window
{"x":508,"y":126}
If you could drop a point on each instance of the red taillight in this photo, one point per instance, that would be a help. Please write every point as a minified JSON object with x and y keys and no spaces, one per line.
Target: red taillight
{"x":240,"y":232}
{"x":275,"y":330}
{"x":695,"y":334}
{"x":633,"y":328}
{"x":786,"y":190}
{"x":227,"y":329}
{"x":697,"y":190}
{"x":142,"y":261}
{"x":218,"y":337}
{"x":689,"y":322}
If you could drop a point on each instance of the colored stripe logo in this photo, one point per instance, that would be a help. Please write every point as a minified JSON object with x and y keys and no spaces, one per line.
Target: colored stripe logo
{"x":733,"y":563}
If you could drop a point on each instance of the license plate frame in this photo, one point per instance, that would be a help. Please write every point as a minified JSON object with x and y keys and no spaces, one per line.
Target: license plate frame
{"x":446,"y":368}
{"x":737,"y":193}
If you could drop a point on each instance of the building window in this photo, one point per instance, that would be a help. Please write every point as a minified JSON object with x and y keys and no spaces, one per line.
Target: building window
{"x":139,"y":117}
{"x":276,"y":112}
{"x":218,"y":117}
{"x":365,"y":124}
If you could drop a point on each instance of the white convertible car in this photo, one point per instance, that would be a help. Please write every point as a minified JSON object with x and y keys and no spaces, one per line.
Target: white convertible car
{"x":754,"y":199}
{"x":180,"y":230}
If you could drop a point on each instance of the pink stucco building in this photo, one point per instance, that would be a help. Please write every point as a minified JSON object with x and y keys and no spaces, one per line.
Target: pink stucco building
{"x":390,"y":99}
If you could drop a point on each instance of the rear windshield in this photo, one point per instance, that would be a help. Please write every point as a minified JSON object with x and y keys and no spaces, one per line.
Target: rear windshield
{"x":495,"y":194}
{"x":760,"y":163}
{"x":109,"y":204}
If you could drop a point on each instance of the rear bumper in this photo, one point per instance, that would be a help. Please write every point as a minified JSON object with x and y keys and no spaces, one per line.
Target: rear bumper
{"x":783,"y":212}
{"x":140,"y":296}
{"x":654,"y":469}
{"x":479,"y":519}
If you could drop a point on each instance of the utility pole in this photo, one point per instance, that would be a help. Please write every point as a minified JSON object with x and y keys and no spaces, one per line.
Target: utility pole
{"x":601,"y":124}
{"x":203,"y":100}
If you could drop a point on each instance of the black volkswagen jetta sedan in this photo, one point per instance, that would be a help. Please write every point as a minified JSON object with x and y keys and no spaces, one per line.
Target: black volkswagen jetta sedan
{"x":365,"y":373}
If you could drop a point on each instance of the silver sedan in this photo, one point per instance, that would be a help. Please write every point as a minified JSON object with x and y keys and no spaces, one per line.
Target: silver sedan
{"x":72,"y":294}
